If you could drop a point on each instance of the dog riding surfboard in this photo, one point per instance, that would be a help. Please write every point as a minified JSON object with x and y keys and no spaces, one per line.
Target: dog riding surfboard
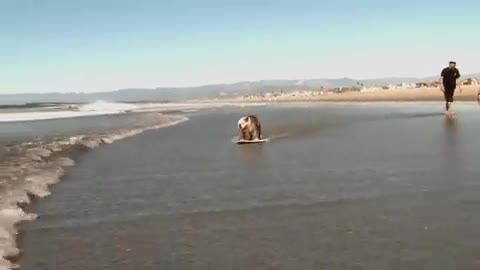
{"x":250,"y":130}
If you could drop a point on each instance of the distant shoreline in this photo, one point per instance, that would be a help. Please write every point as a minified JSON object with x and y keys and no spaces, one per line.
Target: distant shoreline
{"x":468,"y":93}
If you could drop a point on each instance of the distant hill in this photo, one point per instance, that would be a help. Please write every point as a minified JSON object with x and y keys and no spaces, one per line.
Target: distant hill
{"x":206,"y":91}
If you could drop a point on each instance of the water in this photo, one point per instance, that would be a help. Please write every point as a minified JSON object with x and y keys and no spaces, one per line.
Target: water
{"x":384,"y":186}
{"x":36,"y":154}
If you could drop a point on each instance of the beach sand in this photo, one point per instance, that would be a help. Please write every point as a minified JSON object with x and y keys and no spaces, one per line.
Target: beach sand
{"x":422,"y":94}
{"x":468,"y":93}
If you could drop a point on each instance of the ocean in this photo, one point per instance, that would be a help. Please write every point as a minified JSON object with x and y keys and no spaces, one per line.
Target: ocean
{"x":338,"y":186}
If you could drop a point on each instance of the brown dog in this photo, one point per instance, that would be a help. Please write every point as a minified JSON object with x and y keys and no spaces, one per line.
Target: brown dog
{"x":249,"y":128}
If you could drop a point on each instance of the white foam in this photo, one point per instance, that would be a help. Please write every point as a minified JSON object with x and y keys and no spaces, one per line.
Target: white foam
{"x":109,"y":108}
{"x":34,"y":167}
{"x":8,"y":218}
{"x":93,"y":109}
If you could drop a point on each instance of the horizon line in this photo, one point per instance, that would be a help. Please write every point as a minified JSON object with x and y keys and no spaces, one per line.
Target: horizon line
{"x":219,"y":83}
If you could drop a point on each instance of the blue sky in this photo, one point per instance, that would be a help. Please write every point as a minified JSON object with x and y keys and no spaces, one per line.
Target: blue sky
{"x":102,"y":45}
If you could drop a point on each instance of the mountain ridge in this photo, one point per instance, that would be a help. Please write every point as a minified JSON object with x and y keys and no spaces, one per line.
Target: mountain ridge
{"x":208,"y":91}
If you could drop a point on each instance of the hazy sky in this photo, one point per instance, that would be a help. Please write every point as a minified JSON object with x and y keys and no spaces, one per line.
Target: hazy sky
{"x":100,"y":45}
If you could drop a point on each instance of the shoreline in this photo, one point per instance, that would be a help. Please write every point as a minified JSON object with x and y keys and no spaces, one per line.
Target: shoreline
{"x":468,"y":93}
{"x":92,"y":109}
{"x":47,"y":163}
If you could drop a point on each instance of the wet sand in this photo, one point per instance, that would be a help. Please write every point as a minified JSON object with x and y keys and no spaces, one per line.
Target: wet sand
{"x":386,"y":186}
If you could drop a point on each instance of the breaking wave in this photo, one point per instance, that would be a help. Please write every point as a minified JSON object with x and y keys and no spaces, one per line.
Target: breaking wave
{"x":92,"y":109}
{"x":107,"y":107}
{"x":28,"y":169}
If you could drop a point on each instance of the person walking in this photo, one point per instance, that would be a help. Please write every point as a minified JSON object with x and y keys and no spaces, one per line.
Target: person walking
{"x":448,"y":82}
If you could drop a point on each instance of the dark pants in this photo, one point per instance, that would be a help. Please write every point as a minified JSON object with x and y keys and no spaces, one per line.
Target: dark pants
{"x":449,"y":92}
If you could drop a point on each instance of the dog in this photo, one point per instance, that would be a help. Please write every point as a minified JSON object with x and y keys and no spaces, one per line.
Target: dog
{"x":249,"y":128}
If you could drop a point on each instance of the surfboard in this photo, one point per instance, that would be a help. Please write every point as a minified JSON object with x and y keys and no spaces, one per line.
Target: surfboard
{"x":251,"y":141}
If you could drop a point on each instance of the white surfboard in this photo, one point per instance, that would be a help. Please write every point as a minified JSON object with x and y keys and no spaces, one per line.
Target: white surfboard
{"x":252,"y":141}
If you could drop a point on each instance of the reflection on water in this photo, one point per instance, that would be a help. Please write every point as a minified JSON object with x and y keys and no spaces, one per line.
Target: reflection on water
{"x":252,"y":154}
{"x":453,"y":157}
